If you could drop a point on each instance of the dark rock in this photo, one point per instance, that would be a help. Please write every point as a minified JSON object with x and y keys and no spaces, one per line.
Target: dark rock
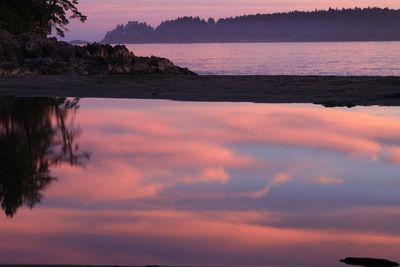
{"x":369,"y":262}
{"x":29,"y":54}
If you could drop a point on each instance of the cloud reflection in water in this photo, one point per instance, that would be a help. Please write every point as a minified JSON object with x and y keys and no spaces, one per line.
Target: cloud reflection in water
{"x":219,"y":183}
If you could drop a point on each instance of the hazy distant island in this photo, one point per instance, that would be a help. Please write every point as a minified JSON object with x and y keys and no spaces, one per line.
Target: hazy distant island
{"x":357,"y":24}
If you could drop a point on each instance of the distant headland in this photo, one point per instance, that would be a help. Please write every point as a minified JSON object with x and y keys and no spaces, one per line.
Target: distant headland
{"x":356,"y":24}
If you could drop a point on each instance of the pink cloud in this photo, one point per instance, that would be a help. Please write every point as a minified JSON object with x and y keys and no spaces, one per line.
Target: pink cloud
{"x":354,"y":133}
{"x":138,"y":154}
{"x":328,"y":180}
{"x":229,"y":233}
{"x":393,"y":155}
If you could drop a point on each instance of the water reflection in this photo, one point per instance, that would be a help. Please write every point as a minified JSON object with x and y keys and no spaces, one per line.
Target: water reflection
{"x":176,"y":183}
{"x":35,"y":135}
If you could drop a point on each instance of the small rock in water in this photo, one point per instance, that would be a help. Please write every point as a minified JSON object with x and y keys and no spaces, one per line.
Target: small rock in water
{"x":369,"y":262}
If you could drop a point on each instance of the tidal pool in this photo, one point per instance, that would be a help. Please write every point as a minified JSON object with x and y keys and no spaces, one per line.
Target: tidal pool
{"x":140,"y":182}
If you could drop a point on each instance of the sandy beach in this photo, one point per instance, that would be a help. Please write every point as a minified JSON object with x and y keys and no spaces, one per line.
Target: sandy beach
{"x":326,"y":90}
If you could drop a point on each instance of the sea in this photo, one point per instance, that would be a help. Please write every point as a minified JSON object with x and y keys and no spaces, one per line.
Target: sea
{"x":312,"y":58}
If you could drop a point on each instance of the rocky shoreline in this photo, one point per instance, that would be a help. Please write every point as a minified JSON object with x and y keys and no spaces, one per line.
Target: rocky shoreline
{"x":35,"y":66}
{"x":29,"y":54}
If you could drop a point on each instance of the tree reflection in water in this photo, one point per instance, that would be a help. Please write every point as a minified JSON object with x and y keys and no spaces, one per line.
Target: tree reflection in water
{"x":35,"y":135}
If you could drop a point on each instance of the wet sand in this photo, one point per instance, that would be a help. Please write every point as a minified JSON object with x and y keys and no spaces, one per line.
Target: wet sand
{"x":326,"y":90}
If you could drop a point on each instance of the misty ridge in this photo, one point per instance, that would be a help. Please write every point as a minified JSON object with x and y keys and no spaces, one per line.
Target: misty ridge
{"x":356,"y":24}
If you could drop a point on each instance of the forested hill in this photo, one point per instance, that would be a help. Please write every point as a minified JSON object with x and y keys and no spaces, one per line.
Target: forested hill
{"x":369,"y":24}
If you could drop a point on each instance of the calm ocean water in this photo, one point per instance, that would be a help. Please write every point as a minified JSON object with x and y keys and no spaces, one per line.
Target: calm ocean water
{"x":336,"y":58}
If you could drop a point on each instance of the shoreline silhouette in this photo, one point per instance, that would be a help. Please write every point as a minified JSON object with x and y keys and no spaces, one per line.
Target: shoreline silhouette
{"x":357,"y":24}
{"x":329,"y":91}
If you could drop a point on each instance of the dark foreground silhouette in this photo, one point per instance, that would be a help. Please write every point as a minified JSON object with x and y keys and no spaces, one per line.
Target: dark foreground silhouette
{"x":35,"y":135}
{"x":326,"y":90}
{"x":369,"y":262}
{"x":30,"y":54}
{"x":368,"y":24}
{"x":38,"y":16}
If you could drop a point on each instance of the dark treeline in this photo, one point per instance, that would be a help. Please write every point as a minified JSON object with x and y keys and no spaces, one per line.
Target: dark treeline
{"x":368,"y":24}
{"x":38,"y":16}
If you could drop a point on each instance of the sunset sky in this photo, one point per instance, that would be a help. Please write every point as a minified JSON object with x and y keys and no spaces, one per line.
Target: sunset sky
{"x":104,"y":15}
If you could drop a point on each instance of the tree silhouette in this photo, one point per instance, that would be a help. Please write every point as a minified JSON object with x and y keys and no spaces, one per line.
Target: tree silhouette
{"x":35,"y":134}
{"x":38,"y":16}
{"x":58,"y":14}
